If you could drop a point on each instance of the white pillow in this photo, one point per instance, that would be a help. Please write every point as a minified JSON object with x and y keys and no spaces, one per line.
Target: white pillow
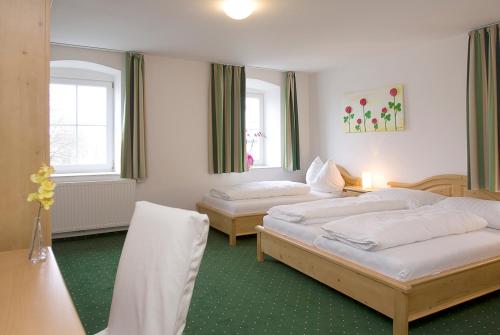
{"x":487,"y":209}
{"x":313,"y":170}
{"x":328,"y":179}
{"x":415,"y":198}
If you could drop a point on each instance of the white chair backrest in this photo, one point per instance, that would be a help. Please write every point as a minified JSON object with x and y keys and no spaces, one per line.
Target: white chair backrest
{"x":157,"y":270}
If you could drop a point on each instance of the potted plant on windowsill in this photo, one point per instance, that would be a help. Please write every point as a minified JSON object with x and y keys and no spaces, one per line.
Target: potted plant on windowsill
{"x":252,"y":138}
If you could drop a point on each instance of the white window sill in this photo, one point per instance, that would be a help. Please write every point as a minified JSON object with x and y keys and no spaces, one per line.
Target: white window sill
{"x":258,"y":167}
{"x":79,"y":177}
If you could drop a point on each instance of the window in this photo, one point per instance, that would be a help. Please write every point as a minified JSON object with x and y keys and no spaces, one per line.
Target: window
{"x":81,"y":125}
{"x":263,"y":123}
{"x":254,"y":122}
{"x":83,"y":115}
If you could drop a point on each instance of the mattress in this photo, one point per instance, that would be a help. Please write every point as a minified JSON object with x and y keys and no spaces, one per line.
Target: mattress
{"x":405,"y":262}
{"x":248,"y":206}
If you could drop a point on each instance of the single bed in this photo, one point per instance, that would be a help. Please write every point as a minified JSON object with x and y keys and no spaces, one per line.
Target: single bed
{"x":239,"y":217}
{"x":403,"y":292}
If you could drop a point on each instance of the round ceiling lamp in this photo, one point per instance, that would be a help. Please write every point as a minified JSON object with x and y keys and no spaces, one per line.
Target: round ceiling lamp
{"x":239,"y":9}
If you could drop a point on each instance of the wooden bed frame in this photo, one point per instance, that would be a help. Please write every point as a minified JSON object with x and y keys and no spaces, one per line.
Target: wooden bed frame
{"x":244,"y":224}
{"x":401,"y":301}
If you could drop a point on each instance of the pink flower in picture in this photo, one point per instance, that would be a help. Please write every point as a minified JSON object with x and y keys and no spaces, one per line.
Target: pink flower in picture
{"x":386,"y":116}
{"x":358,"y":125}
{"x":396,"y":107}
{"x":349,"y":116}
{"x":366,"y":115}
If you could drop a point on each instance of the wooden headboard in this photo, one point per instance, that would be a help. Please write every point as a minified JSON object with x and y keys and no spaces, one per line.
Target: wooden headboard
{"x":451,"y":185}
{"x":349,"y":179}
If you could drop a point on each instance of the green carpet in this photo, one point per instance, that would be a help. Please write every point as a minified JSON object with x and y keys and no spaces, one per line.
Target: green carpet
{"x":234,"y":294}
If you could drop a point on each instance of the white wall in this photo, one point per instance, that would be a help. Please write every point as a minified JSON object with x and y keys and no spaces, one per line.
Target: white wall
{"x":176,"y":103}
{"x":434,"y":141}
{"x":177,"y":134}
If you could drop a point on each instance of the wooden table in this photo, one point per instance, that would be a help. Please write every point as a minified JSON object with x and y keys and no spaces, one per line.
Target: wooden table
{"x":34,"y":298}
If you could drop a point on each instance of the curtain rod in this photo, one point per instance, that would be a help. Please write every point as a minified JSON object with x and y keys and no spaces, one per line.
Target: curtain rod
{"x":122,"y":51}
{"x":486,"y":25}
{"x":86,"y":47}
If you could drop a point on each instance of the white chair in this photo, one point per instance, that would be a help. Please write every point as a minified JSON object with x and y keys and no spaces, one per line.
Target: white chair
{"x":157,"y":270}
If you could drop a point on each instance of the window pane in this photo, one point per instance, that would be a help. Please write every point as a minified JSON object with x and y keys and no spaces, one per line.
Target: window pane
{"x":62,"y":104}
{"x":252,"y":113}
{"x":254,"y":149}
{"x":92,"y":145}
{"x":62,"y":145}
{"x":92,"y":105}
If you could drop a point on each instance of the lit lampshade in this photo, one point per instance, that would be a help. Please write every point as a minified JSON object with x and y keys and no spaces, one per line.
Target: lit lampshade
{"x":239,"y":9}
{"x":367,"y":180}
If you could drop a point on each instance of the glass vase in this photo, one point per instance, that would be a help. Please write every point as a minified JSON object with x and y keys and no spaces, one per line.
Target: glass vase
{"x":38,"y":249}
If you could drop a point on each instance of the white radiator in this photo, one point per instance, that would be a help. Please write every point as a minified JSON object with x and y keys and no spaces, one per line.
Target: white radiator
{"x":81,"y":206}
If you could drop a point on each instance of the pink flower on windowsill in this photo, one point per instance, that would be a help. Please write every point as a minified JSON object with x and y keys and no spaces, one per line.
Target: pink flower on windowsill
{"x":252,"y":138}
{"x":249,"y":160}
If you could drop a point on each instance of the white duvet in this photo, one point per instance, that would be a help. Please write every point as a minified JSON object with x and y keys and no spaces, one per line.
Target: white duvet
{"x":260,"y":189}
{"x":323,"y":211}
{"x":377,"y":231}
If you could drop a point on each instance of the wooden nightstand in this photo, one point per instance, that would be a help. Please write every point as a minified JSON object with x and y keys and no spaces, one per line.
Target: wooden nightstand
{"x":354,"y":191}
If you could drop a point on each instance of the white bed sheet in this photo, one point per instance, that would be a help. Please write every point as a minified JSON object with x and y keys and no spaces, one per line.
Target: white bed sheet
{"x":415,"y":260}
{"x":406,"y":262}
{"x":303,"y":233}
{"x":248,"y":206}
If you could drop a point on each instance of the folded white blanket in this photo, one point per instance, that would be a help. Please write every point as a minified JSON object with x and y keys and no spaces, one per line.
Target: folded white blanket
{"x":377,"y":231}
{"x":322,"y":211}
{"x":260,"y":189}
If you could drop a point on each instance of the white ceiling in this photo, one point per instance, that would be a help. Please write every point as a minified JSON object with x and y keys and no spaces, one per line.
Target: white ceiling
{"x":301,"y":35}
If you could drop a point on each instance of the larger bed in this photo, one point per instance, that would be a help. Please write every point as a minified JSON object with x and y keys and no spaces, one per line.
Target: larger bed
{"x":406,"y":282}
{"x":239,"y":217}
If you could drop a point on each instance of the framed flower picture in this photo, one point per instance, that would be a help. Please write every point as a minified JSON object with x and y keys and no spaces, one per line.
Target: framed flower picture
{"x":377,"y":110}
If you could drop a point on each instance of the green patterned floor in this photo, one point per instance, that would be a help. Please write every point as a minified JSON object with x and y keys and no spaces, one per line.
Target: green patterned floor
{"x":234,"y":294}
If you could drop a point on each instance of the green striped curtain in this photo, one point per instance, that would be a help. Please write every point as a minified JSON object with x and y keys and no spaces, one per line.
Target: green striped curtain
{"x":483,"y":110}
{"x":291,"y":152}
{"x":133,"y":137}
{"x":227,"y":148}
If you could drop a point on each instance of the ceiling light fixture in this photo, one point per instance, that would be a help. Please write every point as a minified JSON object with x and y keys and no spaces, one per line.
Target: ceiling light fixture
{"x":239,"y":9}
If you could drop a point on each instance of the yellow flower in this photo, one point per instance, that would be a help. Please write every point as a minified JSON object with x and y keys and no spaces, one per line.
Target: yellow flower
{"x":47,"y":185}
{"x":32,"y":196}
{"x":42,"y":194}
{"x":36,"y":178}
{"x":46,"y":203}
{"x":45,"y":193}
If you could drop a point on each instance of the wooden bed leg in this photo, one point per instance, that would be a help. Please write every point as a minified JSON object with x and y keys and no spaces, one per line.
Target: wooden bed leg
{"x":232,"y":240}
{"x":260,"y":254}
{"x":232,"y":234}
{"x":400,"y":320}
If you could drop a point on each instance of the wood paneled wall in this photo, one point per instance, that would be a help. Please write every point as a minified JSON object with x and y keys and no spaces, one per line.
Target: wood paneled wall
{"x":24,"y":114}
